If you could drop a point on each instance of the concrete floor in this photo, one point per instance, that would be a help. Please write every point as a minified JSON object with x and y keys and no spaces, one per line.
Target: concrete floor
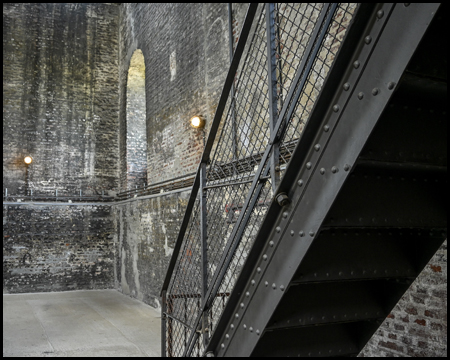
{"x":79,"y":323}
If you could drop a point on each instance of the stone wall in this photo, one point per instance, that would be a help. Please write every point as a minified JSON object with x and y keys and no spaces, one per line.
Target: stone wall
{"x":57,"y":247}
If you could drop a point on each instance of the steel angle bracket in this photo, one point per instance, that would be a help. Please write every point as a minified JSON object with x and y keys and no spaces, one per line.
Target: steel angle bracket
{"x":376,"y":50}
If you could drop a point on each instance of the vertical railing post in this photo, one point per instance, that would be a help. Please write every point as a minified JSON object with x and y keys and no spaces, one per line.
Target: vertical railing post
{"x":203,"y":235}
{"x":272,"y":79}
{"x":233,"y":113}
{"x":163,"y":325}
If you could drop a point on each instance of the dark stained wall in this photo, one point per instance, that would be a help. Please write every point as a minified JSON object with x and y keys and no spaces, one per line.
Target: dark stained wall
{"x":60,"y":98}
{"x":60,"y":105}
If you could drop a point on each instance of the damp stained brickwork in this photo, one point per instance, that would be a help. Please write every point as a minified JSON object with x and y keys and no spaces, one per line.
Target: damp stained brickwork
{"x":60,"y":105}
{"x":60,"y":97}
{"x":57,"y":248}
{"x":145,"y":236}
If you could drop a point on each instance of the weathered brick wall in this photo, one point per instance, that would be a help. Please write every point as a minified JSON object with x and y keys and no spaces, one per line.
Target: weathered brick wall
{"x":60,"y":97}
{"x":57,"y":248}
{"x":418,"y":324}
{"x":145,"y":235}
{"x":185,"y":47}
{"x":60,"y":105}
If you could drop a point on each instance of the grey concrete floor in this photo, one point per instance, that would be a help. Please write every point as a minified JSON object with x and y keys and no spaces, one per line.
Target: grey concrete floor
{"x":79,"y":323}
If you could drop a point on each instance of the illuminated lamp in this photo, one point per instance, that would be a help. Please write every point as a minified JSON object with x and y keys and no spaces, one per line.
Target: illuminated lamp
{"x":28,"y":160}
{"x":197,"y":122}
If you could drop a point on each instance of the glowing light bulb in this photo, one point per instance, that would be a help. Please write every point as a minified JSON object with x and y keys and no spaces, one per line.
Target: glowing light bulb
{"x":28,"y":160}
{"x":197,"y":122}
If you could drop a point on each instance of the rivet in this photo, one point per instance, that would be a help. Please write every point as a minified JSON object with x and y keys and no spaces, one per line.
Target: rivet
{"x":285,"y":214}
{"x":247,"y":294}
{"x":278,"y":229}
{"x":292,"y":232}
{"x":375,"y":91}
{"x":380,"y":14}
{"x":251,"y":329}
{"x":308,"y":165}
{"x":257,"y":332}
{"x":390,"y":85}
{"x":317,"y":147}
{"x":346,"y":86}
{"x":346,"y":167}
{"x":336,"y":108}
{"x":281,"y":287}
{"x":360,"y":95}
{"x":242,"y":305}
{"x":236,"y":316}
{"x":244,"y":326}
{"x":231,"y":326}
{"x":326,"y":128}
{"x":266,"y":283}
{"x":356,"y":64}
{"x":253,"y":282}
{"x":271,"y":243}
{"x":274,"y":286}
{"x":227,"y":336}
{"x":322,"y":171}
{"x":222,"y":346}
{"x":368,"y":39}
{"x":300,"y":182}
{"x":406,"y":4}
{"x":301,"y":233}
{"x":258,"y":270}
{"x":264,"y":257}
{"x":311,"y":233}
{"x":334,"y":169}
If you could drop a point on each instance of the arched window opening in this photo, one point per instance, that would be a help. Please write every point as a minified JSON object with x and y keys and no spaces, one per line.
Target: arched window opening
{"x":136,"y":123}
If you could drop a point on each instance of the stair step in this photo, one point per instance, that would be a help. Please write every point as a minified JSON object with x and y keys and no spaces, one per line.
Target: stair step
{"x":397,"y":197}
{"x":332,"y":302}
{"x":329,"y":340}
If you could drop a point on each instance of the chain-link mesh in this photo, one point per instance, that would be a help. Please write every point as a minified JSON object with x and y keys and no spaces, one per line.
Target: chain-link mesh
{"x":236,"y":207}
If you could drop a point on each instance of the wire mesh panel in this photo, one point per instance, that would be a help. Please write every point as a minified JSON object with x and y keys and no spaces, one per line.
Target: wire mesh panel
{"x":236,"y":188}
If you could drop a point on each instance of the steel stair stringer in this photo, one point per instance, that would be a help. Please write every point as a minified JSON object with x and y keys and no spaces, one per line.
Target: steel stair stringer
{"x":360,"y":85}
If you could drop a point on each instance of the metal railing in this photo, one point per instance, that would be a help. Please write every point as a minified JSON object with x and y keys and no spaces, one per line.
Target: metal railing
{"x":283,"y":56}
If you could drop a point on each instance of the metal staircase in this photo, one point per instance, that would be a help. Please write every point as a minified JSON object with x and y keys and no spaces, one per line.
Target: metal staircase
{"x":309,"y":259}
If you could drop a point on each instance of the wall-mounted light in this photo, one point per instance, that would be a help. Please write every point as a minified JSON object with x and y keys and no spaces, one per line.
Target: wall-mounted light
{"x":28,"y":160}
{"x":197,"y":122}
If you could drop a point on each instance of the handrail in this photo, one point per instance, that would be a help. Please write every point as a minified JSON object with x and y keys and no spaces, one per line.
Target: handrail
{"x":212,"y":135}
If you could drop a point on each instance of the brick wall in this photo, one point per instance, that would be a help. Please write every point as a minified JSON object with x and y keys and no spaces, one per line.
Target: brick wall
{"x":60,"y":105}
{"x":60,"y":98}
{"x":57,"y":248}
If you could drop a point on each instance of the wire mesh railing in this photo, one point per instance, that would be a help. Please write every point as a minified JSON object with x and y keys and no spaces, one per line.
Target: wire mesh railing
{"x":281,"y":61}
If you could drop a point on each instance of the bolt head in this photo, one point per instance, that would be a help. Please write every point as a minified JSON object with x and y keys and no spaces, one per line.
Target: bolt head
{"x":326,"y":128}
{"x":317,"y":147}
{"x":380,"y":14}
{"x":391,"y":85}
{"x":356,"y":64}
{"x":301,"y":233}
{"x":311,"y":233}
{"x":336,"y":108}
{"x":375,"y":91}
{"x":300,"y":182}
{"x":308,"y":165}
{"x":360,"y":95}
{"x":346,"y":167}
{"x":282,"y":200}
{"x":322,"y":171}
{"x":334,"y":169}
{"x":368,"y":39}
{"x":346,"y":86}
